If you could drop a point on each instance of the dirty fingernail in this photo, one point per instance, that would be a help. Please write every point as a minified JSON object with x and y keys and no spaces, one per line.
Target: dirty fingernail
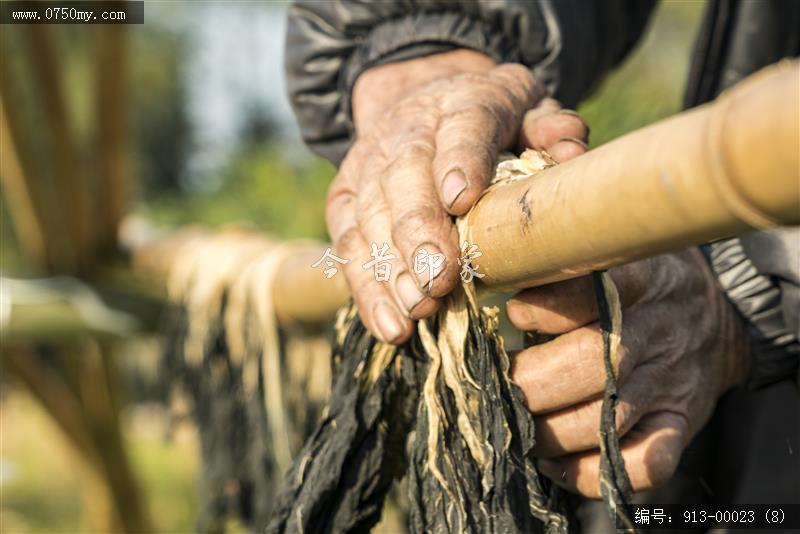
{"x":452,"y":186}
{"x":570,"y":112}
{"x":429,"y":262}
{"x":577,"y":115}
{"x":408,"y":291}
{"x":388,"y":321}
{"x":573,"y":140}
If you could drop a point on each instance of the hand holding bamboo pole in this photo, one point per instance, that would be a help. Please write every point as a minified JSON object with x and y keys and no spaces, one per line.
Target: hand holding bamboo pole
{"x":719,"y":170}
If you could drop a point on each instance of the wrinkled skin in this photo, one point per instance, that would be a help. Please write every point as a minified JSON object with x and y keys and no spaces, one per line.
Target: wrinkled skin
{"x":429,"y":132}
{"x":682,"y":347}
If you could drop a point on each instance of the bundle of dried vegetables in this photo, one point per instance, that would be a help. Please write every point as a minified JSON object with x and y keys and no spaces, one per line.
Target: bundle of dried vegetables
{"x":255,"y":391}
{"x":448,"y":417}
{"x":442,"y":410}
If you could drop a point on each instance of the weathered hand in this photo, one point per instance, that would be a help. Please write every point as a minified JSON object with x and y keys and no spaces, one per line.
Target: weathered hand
{"x":429,"y":131}
{"x":682,"y":346}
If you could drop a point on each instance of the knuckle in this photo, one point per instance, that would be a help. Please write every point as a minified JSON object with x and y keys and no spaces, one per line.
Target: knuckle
{"x":517,"y":71}
{"x":407,"y":155}
{"x":349,"y":240}
{"x":338,"y":195}
{"x":492,"y":114}
{"x":521,"y":81}
{"x":367,"y":216}
{"x":414,"y":220}
{"x":590,"y":346}
{"x":337,"y":203}
{"x":471,"y":153}
{"x":471,"y":78}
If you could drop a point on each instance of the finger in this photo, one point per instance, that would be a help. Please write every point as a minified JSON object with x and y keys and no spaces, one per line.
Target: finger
{"x":375,"y":304}
{"x":420,"y":226}
{"x":567,"y":148}
{"x":474,"y":129}
{"x":554,"y":308}
{"x":576,"y":428}
{"x":546,"y":124}
{"x":651,"y":452}
{"x":375,"y":223}
{"x":571,"y":368}
{"x":564,"y":306}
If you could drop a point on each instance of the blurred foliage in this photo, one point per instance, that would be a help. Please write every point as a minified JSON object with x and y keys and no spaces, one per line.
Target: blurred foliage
{"x":163,"y":132}
{"x":40,"y":475}
{"x":649,"y":84}
{"x":259,"y":188}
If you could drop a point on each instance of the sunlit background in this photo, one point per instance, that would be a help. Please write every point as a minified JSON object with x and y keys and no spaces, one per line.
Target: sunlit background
{"x":213,"y":142}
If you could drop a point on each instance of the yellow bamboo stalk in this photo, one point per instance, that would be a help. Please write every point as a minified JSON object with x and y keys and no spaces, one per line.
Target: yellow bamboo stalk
{"x":110,"y":46}
{"x":720,"y":170}
{"x":60,"y":256}
{"x":25,"y":215}
{"x":46,"y":71}
{"x":87,"y":415}
{"x":717,"y":171}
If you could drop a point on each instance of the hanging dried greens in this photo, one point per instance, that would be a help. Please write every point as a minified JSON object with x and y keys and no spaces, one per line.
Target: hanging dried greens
{"x":471,"y":468}
{"x":341,"y":477}
{"x":468,"y":436}
{"x":442,"y":410}
{"x":615,"y":487}
{"x":255,"y":392}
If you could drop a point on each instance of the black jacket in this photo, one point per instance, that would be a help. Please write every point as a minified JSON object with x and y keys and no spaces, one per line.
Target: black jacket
{"x":569,"y":44}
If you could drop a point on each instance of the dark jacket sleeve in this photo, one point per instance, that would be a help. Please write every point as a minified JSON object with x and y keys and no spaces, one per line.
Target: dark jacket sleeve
{"x":568,"y":44}
{"x":760,"y":272}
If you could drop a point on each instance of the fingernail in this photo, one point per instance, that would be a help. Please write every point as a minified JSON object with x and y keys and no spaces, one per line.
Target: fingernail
{"x":388,"y":321}
{"x":573,"y":113}
{"x":570,"y":112}
{"x":429,"y":262}
{"x":452,"y":186}
{"x":408,"y":291}
{"x":573,"y":140}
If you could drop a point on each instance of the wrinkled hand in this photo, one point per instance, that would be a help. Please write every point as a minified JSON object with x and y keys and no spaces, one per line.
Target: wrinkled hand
{"x":428,"y":135}
{"x":682,"y":347}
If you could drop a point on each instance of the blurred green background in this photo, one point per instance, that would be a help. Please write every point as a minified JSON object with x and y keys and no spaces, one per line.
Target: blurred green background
{"x":215,"y":144}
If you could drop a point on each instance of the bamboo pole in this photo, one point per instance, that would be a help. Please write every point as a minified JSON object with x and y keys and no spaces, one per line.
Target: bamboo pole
{"x":717,"y":171}
{"x":110,"y":47}
{"x":47,"y":75}
{"x":720,"y":170}
{"x":59,"y":254}
{"x":25,"y":213}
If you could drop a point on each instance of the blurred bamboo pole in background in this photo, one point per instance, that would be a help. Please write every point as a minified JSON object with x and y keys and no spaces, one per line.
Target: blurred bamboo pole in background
{"x":26,"y":215}
{"x":46,"y":70}
{"x":113,"y":136}
{"x":58,"y":252}
{"x":75,"y":381}
{"x":81,"y":396}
